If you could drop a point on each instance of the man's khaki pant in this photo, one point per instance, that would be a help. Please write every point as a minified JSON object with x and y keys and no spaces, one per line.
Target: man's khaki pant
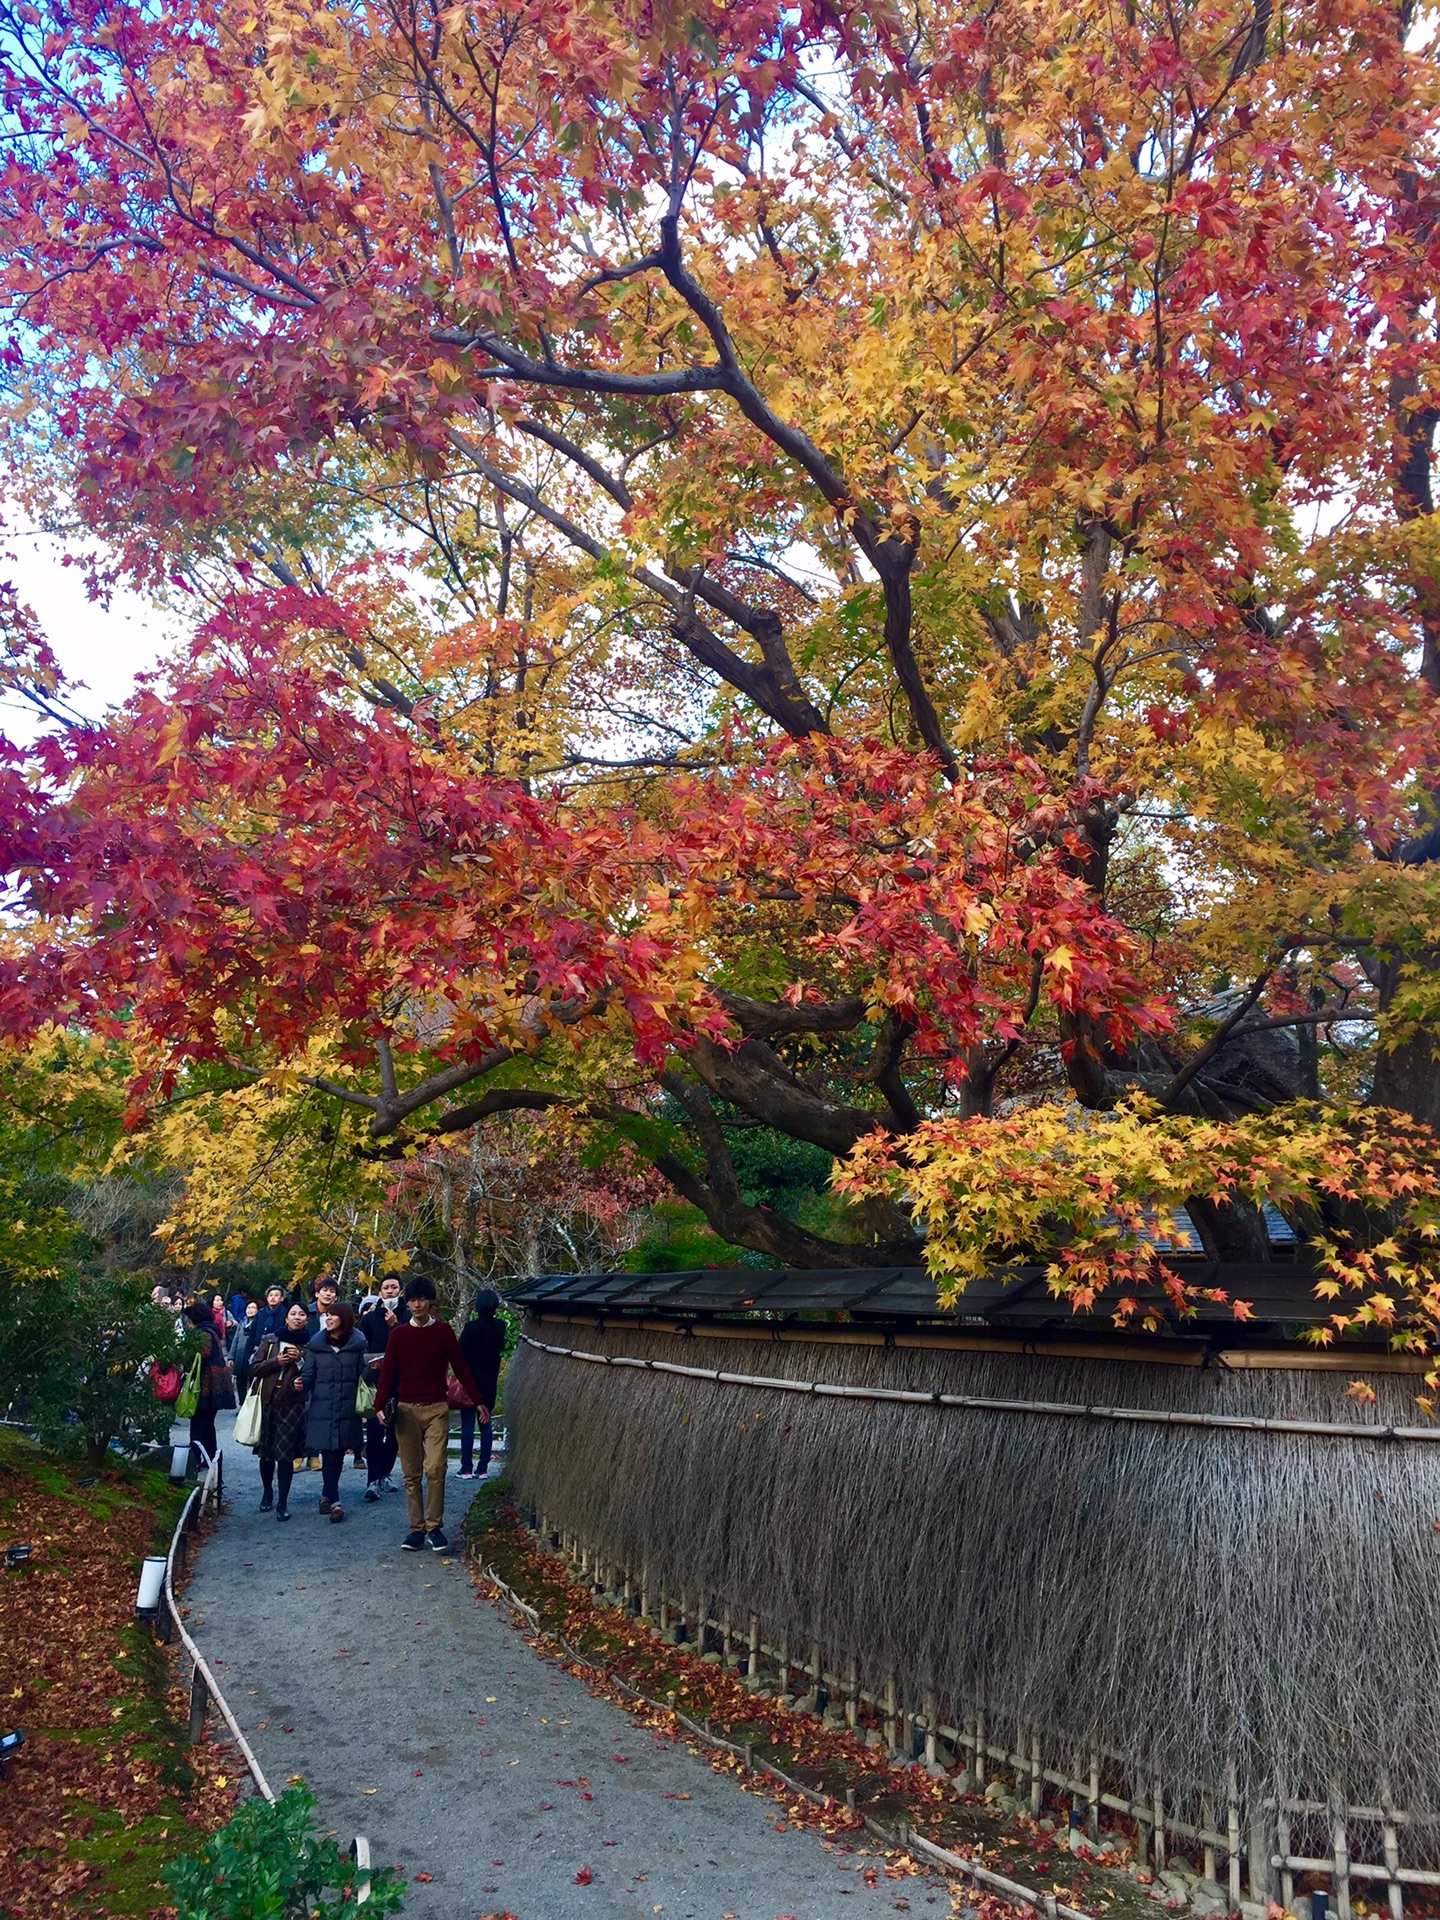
{"x":422,"y":1428}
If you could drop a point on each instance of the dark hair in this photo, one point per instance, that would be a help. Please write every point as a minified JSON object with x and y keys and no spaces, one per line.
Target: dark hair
{"x":345,"y":1314}
{"x":420,"y":1288}
{"x":199,"y":1315}
{"x":487,"y":1303}
{"x":327,"y":1280}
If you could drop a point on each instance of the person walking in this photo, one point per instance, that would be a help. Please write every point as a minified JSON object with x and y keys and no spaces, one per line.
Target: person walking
{"x":329,"y":1375}
{"x":273,"y":1315}
{"x":214,"y":1384}
{"x":243,"y":1342}
{"x":376,"y":1322}
{"x":482,"y":1341}
{"x":275,"y":1368}
{"x":327,"y":1296}
{"x":413,"y":1373}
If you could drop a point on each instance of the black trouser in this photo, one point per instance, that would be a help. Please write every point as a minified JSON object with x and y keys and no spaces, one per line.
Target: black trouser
{"x":202,"y":1429}
{"x":270,"y":1478}
{"x":380,"y":1449}
{"x":332,"y":1459}
{"x":467,"y":1442}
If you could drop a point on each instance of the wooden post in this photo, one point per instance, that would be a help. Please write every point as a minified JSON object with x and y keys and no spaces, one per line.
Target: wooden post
{"x":784,"y":1664}
{"x":932,"y":1715}
{"x":1037,"y":1784}
{"x":1157,"y":1795}
{"x":752,"y":1676}
{"x":726,"y":1659}
{"x":199,"y":1707}
{"x":852,"y":1693}
{"x":1093,"y":1816}
{"x":1232,"y":1836}
{"x":1142,"y":1829}
{"x":891,"y":1729}
{"x":981,"y":1757}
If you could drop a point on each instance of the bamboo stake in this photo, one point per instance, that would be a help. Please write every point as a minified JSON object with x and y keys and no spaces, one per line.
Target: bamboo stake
{"x":852,"y":1693}
{"x":1340,"y":1844}
{"x":1158,"y":1801}
{"x":932,"y":1715}
{"x":1093,"y":1785}
{"x":1390,"y":1845}
{"x":1207,"y":1856}
{"x":1258,"y":1888}
{"x":752,"y":1670}
{"x":1232,"y":1836}
{"x":1037,"y":1784}
{"x":980,"y":1754}
{"x":890,"y":1707}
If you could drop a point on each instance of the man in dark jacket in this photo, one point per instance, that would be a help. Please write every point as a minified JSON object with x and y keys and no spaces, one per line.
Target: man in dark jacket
{"x":271,"y":1318}
{"x":482,"y":1341}
{"x":375,"y":1323}
{"x":327,"y":1296}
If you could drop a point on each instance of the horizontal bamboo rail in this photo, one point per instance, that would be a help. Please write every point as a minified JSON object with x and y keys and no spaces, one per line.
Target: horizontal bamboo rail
{"x":976,"y":1403}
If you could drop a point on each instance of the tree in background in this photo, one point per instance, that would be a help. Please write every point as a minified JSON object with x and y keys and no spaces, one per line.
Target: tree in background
{"x":855,"y":567}
{"x":77,"y":1257}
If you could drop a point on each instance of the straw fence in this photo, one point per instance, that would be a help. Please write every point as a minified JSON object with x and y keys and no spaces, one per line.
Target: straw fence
{"x":1206,"y":1600}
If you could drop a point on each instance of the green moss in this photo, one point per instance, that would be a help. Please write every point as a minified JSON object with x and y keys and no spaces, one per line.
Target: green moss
{"x":130,"y":1859}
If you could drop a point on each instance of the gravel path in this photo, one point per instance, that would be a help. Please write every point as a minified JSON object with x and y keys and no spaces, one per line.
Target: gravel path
{"x":419,"y":1716}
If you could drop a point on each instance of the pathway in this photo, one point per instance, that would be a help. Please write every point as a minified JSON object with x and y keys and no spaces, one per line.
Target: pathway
{"x":421,"y":1717}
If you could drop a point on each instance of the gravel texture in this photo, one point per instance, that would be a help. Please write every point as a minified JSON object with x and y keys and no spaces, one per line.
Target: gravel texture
{"x":420,"y":1717}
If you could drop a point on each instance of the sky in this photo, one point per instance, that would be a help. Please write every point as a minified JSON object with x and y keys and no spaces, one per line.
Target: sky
{"x":104,"y":646}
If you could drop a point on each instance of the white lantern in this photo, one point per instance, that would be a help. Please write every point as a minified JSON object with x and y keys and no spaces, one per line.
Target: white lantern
{"x":152,"y":1586}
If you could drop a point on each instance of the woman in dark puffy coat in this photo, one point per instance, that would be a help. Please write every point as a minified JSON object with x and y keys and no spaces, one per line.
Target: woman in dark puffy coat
{"x":275,"y":1368}
{"x":215,"y":1388}
{"x":331,"y":1372}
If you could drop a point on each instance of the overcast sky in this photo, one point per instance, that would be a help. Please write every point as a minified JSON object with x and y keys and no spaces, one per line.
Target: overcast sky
{"x":104,"y":646}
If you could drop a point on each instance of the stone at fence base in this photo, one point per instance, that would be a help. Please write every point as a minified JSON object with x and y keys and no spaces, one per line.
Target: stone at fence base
{"x":1209,"y":1899}
{"x":963,"y":1783}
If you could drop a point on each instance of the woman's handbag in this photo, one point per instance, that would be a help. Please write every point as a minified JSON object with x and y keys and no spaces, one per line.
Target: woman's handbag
{"x":364,"y":1398}
{"x":249,"y":1420}
{"x":188,"y":1398}
{"x":455,"y":1394}
{"x":165,"y":1381}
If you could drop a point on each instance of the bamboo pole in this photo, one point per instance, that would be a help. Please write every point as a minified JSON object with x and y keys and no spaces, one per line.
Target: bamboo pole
{"x":1340,"y":1847}
{"x":932,"y":1715}
{"x":1390,"y":1845}
{"x":1232,"y":1836}
{"x":1093,"y":1796}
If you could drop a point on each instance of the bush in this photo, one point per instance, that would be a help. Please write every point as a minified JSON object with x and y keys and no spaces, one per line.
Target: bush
{"x":270,"y":1863}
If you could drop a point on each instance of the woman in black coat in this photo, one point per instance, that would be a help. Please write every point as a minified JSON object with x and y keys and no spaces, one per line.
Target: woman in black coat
{"x":275,"y":1368}
{"x":215,"y":1388}
{"x":331,"y":1372}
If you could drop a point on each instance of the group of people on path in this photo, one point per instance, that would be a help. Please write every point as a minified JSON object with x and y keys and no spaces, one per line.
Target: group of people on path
{"x":399,"y":1348}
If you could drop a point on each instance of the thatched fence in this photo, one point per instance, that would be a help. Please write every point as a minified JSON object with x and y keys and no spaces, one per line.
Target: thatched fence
{"x":1204,"y":1597}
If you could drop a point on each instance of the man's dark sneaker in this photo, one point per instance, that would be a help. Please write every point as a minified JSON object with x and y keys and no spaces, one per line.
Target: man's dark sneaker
{"x":282,"y":1513}
{"x":337,"y":1512}
{"x":267,"y":1503}
{"x":464,"y":1473}
{"x":438,"y":1541}
{"x":324,"y":1504}
{"x":372,"y":1492}
{"x":413,"y":1542}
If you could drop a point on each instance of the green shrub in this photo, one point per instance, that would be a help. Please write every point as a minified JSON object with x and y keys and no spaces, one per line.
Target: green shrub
{"x":270,"y":1863}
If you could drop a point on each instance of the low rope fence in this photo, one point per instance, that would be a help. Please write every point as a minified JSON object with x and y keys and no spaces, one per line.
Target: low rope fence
{"x":205,"y":1690}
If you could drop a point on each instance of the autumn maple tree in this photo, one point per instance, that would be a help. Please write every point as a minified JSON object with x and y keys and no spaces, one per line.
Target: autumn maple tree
{"x":832,"y":569}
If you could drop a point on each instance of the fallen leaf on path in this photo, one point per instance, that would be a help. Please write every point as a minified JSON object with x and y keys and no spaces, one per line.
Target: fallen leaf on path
{"x":584,"y":1877}
{"x":425,"y":1877}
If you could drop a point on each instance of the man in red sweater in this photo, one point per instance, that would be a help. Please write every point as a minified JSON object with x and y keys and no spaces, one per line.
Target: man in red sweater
{"x":413,"y":1373}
